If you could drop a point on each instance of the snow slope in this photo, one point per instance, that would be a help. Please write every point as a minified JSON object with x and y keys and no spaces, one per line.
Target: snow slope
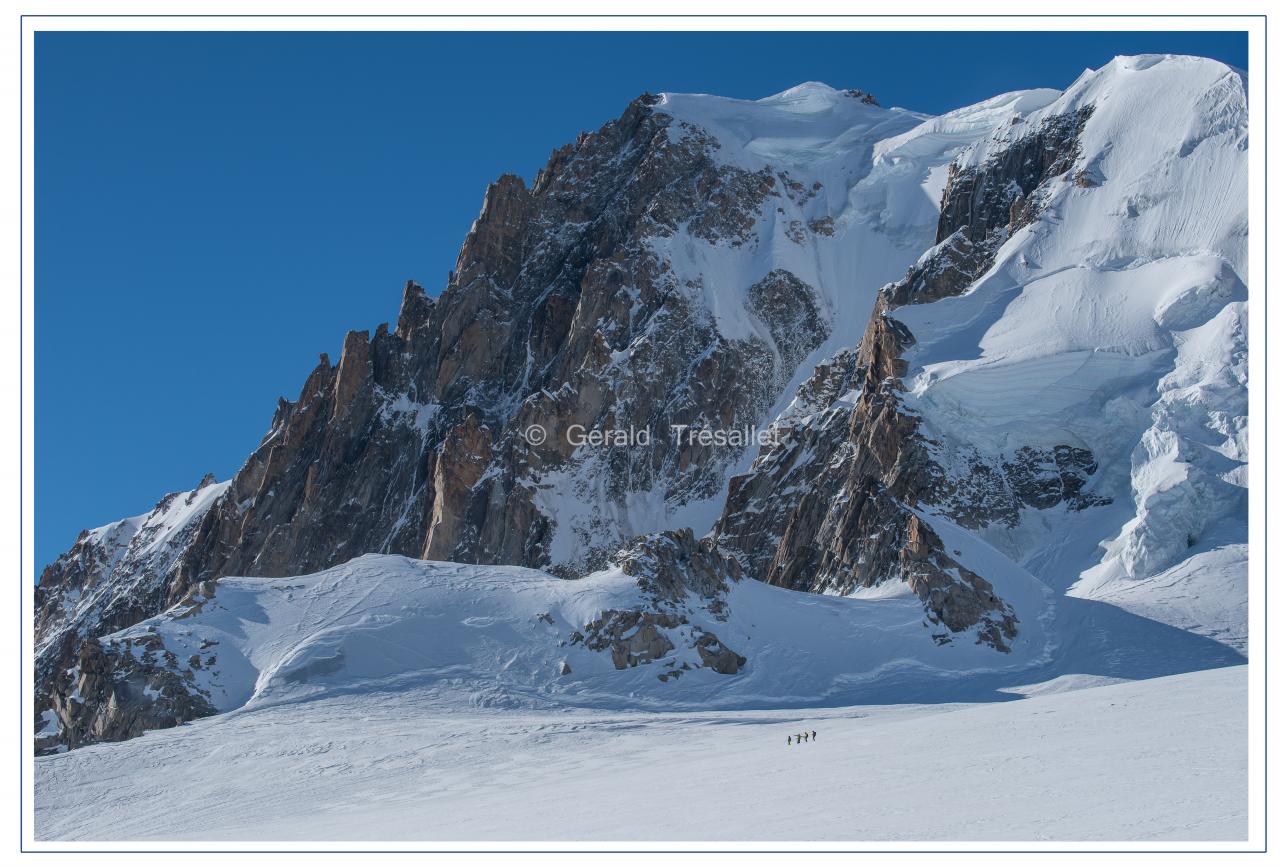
{"x":1117,"y":323}
{"x":498,"y":636}
{"x":863,"y":185}
{"x":1172,"y":766}
{"x":511,"y":639}
{"x":1207,"y":593}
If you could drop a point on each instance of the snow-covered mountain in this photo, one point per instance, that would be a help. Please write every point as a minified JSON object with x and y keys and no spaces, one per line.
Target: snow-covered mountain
{"x":1063,"y":373}
{"x":118,"y":574}
{"x":1003,"y":352}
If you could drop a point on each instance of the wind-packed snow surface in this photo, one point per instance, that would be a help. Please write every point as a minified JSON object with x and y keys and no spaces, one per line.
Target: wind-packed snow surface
{"x":1160,"y":760}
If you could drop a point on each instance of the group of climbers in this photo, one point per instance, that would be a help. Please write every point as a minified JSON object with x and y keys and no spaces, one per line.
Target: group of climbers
{"x":803,"y":736}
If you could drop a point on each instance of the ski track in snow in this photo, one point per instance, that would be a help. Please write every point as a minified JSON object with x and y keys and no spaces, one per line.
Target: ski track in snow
{"x":1161,"y":759}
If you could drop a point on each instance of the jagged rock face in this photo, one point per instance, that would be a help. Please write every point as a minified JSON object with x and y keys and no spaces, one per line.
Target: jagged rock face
{"x":673,"y":571}
{"x":836,"y":504}
{"x":673,"y":565}
{"x":116,"y":692}
{"x":413,"y":442}
{"x":557,"y":313}
{"x":996,"y":488}
{"x":948,"y":270}
{"x":813,"y":434}
{"x":790,"y":309}
{"x":854,"y":524}
{"x":999,"y":196}
{"x":114,"y":577}
{"x":463,"y":458}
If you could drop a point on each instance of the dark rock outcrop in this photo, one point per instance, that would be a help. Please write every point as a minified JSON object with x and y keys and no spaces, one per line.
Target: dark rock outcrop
{"x":672,"y":566}
{"x":862,"y":96}
{"x":1003,"y":193}
{"x":632,"y":637}
{"x":716,"y":656}
{"x":118,"y":691}
{"x":789,"y":308}
{"x":675,"y":573}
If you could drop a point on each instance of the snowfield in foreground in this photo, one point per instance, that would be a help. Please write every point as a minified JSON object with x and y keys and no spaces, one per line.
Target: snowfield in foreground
{"x":1161,"y":759}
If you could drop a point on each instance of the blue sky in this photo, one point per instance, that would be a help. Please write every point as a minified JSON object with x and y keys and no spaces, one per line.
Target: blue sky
{"x":213,"y":210}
